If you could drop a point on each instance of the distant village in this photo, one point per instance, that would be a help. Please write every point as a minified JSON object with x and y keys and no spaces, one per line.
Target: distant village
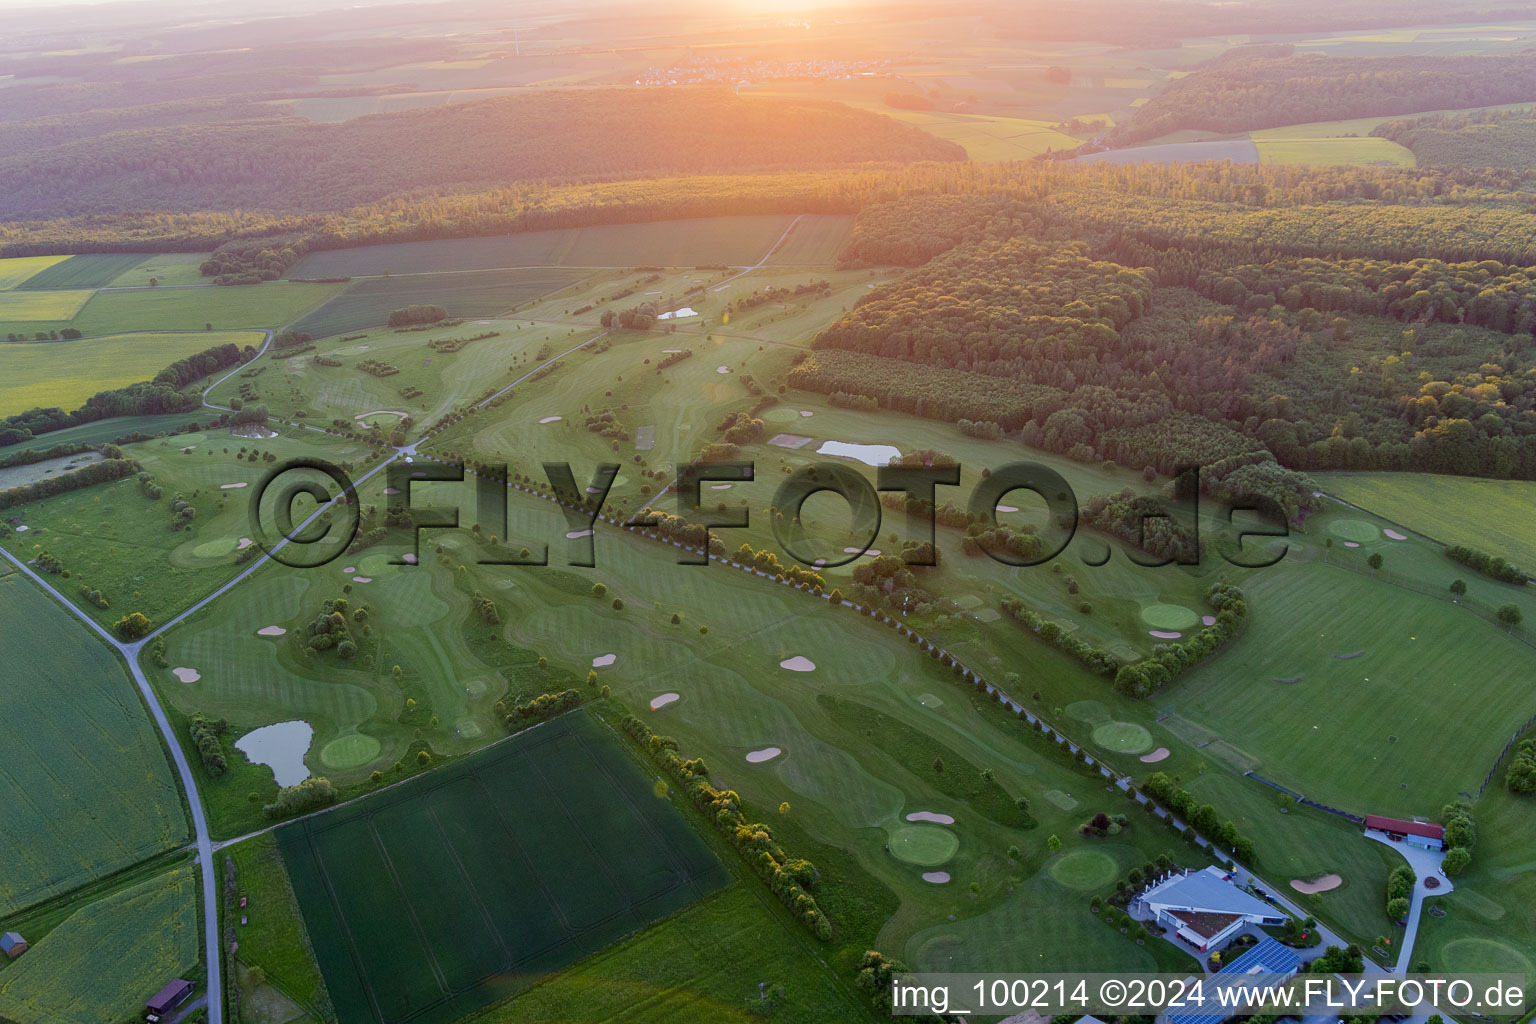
{"x":734,"y":70}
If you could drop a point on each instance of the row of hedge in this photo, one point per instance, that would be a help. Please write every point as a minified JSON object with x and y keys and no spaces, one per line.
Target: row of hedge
{"x":789,"y":878}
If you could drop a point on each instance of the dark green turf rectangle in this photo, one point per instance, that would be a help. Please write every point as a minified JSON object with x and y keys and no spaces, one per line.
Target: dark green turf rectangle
{"x":480,"y":293}
{"x":93,"y":270}
{"x":443,"y":895}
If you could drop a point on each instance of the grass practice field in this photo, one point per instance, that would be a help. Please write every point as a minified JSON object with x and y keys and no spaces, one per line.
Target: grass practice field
{"x":1490,"y":515}
{"x":18,"y":269}
{"x":66,"y":373}
{"x":107,"y":958}
{"x":738,"y":241}
{"x":1401,"y":725}
{"x":79,"y":746}
{"x":468,"y":295}
{"x":442,"y":896}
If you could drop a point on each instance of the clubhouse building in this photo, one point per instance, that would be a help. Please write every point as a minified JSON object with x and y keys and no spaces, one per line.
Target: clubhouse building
{"x":1204,"y":908}
{"x":1426,"y":835}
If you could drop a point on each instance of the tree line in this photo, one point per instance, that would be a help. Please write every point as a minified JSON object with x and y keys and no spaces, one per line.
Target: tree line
{"x":1269,"y":92}
{"x":296,"y":166}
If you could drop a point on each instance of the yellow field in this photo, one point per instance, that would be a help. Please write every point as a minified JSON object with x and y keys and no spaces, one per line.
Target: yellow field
{"x":42,"y":305}
{"x":16,"y":271}
{"x":1359,"y":152}
{"x":66,"y":373}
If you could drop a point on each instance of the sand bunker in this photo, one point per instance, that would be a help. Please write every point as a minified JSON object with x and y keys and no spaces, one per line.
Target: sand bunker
{"x":869,"y":454}
{"x":766,"y":754}
{"x":245,"y":542}
{"x":1207,"y":620}
{"x":722,"y":369}
{"x":806,"y":412}
{"x":577,"y":534}
{"x":798,"y":663}
{"x":281,"y":747}
{"x":933,"y":816}
{"x":1395,"y":536}
{"x":604,"y":660}
{"x":936,"y":877}
{"x":857,"y":551}
{"x":719,"y":487}
{"x":1164,"y":634}
{"x":657,"y":703}
{"x":409,"y":559}
{"x":23,"y":529}
{"x":391,"y":490}
{"x":1007,"y":508}
{"x":271,"y":631}
{"x":1350,"y":544}
{"x":186,"y":675}
{"x":362,"y":579}
{"x":550,"y":419}
{"x":677,"y":314}
{"x":1157,"y":755}
{"x":230,"y":487}
{"x":1322,"y":884}
{"x":350,"y":568}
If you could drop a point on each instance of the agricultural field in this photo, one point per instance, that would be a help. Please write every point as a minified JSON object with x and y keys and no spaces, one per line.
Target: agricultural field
{"x":464,"y":294}
{"x":19,"y":269}
{"x":41,"y":305}
{"x":78,"y":741}
{"x":734,"y":241}
{"x":165,"y":269}
{"x":111,"y":429}
{"x":671,"y":971}
{"x":1241,"y":151}
{"x":1490,"y":515}
{"x":107,"y":958}
{"x":66,"y":373}
{"x":272,"y":304}
{"x":95,"y":270}
{"x":1368,"y":152}
{"x":597,"y":855}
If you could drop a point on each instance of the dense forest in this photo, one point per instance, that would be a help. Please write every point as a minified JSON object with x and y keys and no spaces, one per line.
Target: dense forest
{"x":290,"y":165}
{"x":1324,"y":363}
{"x":1240,"y":96}
{"x":1487,"y":138}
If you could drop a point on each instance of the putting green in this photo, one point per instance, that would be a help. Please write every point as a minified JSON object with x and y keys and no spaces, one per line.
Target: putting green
{"x":1357,"y":530}
{"x":1170,"y":618}
{"x":375,"y":565}
{"x":350,"y":751}
{"x":215,"y":548}
{"x":1122,"y":737}
{"x":1085,"y":870}
{"x":1478,"y":955}
{"x":1089,"y":711}
{"x":924,"y":845}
